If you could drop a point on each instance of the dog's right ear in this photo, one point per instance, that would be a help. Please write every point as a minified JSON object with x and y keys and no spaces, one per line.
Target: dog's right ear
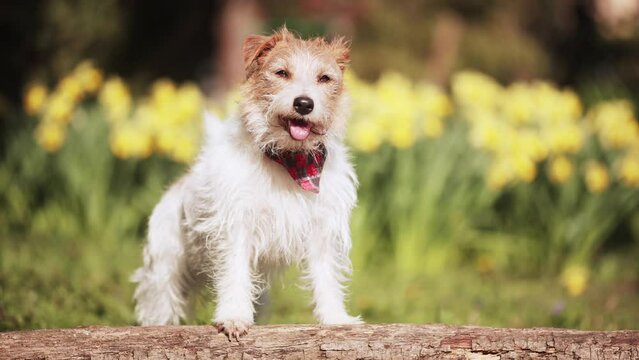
{"x":256,"y":47}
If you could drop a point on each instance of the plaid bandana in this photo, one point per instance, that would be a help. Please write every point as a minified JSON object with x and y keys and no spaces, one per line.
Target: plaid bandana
{"x":304,"y":167}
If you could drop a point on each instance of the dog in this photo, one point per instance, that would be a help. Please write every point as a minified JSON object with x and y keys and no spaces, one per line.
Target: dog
{"x":251,"y":203}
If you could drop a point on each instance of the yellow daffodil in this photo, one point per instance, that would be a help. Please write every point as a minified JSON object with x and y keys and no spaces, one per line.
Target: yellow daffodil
{"x":163,"y":92}
{"x":432,"y":101}
{"x":628,"y":170}
{"x":433,"y":127}
{"x":615,"y":123}
{"x":70,"y":88}
{"x":524,"y":168}
{"x":571,"y":105}
{"x":88,"y":76}
{"x":365,"y":136}
{"x":475,"y":90}
{"x":564,"y":138}
{"x":165,"y":139}
{"x":130,"y":141}
{"x":433,"y":106}
{"x":487,"y":132}
{"x":144,"y":115}
{"x":556,"y":107}
{"x":397,"y":111}
{"x":188,"y":103}
{"x":529,"y":143}
{"x":560,"y":170}
{"x":116,"y":100}
{"x":517,"y":105}
{"x":597,"y":178}
{"x":35,"y":98}
{"x":50,"y":135}
{"x":575,"y":279}
{"x":619,"y":135}
{"x":499,"y":174}
{"x":165,"y":114}
{"x":402,"y":135}
{"x":545,"y":97}
{"x":59,"y":108}
{"x":185,"y":148}
{"x":352,"y":81}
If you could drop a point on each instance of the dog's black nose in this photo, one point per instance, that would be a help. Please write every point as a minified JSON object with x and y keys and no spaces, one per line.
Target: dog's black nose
{"x":303,"y":105}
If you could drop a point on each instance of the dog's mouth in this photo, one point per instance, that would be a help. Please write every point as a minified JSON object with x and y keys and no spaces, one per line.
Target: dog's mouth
{"x":298,"y":128}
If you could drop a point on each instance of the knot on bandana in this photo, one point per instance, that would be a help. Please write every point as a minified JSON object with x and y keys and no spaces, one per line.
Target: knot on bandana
{"x":304,"y":167}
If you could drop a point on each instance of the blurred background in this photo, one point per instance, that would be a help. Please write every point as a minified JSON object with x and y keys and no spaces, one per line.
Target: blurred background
{"x":496,"y":143}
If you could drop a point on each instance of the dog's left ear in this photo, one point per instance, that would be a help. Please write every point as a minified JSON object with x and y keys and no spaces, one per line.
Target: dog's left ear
{"x":342,"y":50}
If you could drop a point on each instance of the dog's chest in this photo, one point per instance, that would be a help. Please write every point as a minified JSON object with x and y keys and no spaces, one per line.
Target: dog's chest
{"x":283,"y":222}
{"x":286,"y":219}
{"x":257,"y":199}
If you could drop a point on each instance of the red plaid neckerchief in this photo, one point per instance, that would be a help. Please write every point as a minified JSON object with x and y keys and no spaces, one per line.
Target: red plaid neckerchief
{"x":304,"y":167}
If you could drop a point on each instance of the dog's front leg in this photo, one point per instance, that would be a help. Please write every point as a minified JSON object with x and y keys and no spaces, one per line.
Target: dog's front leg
{"x":327,"y":269}
{"x":233,"y":284}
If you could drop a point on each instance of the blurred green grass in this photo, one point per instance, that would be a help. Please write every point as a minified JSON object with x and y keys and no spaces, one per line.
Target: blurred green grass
{"x":48,"y":282}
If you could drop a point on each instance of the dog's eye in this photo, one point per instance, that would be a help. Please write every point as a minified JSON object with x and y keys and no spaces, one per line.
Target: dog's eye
{"x":324,"y":79}
{"x":282,"y":73}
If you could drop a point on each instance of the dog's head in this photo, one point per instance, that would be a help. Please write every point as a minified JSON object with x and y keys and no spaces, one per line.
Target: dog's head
{"x":293,"y":97}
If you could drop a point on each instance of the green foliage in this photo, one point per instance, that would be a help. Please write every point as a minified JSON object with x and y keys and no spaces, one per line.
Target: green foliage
{"x":82,"y":190}
{"x":421,"y":204}
{"x":71,"y":228}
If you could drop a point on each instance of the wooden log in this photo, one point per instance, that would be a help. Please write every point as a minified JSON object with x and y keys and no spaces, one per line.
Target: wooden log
{"x":392,"y":341}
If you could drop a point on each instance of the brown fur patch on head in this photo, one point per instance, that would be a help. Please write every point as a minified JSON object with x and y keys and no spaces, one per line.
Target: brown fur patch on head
{"x":257,"y":47}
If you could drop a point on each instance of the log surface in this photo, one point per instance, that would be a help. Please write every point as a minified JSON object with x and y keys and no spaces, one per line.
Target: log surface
{"x":392,"y":341}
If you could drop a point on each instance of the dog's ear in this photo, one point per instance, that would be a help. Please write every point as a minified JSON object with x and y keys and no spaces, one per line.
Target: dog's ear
{"x":342,"y":50}
{"x":256,"y":47}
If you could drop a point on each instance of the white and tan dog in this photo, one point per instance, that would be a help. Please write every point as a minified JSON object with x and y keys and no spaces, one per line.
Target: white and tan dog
{"x":251,"y":202}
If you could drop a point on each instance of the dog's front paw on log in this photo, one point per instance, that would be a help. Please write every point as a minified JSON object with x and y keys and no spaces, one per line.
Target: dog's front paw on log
{"x":233,"y":329}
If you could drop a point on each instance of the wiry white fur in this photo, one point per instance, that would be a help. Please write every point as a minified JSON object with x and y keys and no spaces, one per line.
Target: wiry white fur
{"x":238,"y":216}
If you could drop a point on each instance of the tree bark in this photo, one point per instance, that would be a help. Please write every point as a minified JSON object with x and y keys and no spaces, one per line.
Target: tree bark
{"x":239,"y":19}
{"x":448,"y":35}
{"x":393,"y":341}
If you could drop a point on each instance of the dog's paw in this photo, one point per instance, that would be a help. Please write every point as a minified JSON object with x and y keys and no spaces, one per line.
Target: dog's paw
{"x":233,"y":329}
{"x":344,"y":319}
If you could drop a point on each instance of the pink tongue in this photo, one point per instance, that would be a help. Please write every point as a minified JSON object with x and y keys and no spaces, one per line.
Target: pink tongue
{"x":299,"y":132}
